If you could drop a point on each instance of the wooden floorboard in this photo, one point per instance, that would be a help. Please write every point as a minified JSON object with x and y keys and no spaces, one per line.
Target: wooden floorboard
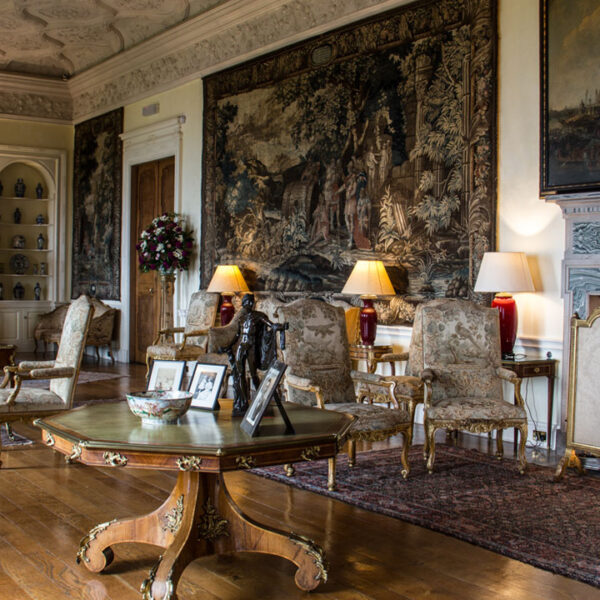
{"x":46,"y":506}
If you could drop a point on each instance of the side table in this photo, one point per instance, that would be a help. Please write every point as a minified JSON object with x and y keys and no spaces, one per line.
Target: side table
{"x":536,"y":367}
{"x":370,"y":354}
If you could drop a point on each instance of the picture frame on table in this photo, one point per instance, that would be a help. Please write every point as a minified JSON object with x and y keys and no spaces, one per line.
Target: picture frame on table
{"x":205,"y":384}
{"x":166,"y":375}
{"x":570,"y":105}
{"x":263,"y":397}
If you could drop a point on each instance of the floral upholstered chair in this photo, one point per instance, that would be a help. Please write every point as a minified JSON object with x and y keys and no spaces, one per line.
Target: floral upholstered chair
{"x":25,"y":403}
{"x":319,"y":374}
{"x":463,"y":374}
{"x":201,"y":315}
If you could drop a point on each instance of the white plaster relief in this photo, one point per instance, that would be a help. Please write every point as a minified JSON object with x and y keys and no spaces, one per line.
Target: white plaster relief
{"x":276,"y":26}
{"x":35,"y":105}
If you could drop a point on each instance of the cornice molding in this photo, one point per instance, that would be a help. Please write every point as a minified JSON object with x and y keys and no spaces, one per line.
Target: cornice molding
{"x":35,"y":98}
{"x":228,"y":34}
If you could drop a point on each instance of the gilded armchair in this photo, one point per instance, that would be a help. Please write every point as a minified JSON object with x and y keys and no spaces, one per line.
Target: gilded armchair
{"x":463,"y":375}
{"x":319,"y":374}
{"x":24,"y":403}
{"x":202,"y":311}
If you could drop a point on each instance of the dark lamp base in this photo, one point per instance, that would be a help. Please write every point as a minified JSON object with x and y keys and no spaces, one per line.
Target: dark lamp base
{"x":507,"y":308}
{"x":227,"y":310}
{"x":368,"y":323}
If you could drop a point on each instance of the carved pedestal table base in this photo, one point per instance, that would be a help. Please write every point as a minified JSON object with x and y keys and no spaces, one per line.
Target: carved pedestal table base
{"x":198,"y":519}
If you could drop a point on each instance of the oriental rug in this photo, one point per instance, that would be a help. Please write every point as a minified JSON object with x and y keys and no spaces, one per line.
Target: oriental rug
{"x":475,"y":498}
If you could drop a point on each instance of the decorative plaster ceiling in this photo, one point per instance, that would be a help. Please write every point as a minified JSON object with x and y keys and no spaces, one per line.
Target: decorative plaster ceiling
{"x":60,"y":38}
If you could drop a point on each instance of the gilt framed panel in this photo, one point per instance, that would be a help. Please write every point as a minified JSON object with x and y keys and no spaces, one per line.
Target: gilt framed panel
{"x":377,"y":140}
{"x":570,"y":111}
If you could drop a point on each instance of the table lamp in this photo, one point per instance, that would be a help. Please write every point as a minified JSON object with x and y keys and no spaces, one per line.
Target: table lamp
{"x":369,"y":279}
{"x":508,"y":272}
{"x":227,"y":280}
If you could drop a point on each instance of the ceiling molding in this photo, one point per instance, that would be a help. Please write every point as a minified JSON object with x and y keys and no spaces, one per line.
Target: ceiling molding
{"x":229,"y":34}
{"x":35,"y":98}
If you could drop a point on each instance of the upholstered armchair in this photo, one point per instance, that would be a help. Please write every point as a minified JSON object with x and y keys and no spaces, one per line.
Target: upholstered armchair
{"x":463,"y":375}
{"x":25,"y":403}
{"x":319,"y":374}
{"x":49,"y":327}
{"x":201,"y":315}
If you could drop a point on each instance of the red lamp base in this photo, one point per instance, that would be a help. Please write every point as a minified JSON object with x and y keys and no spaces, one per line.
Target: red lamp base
{"x":507,"y":307}
{"x":227,"y":309}
{"x":368,"y":322}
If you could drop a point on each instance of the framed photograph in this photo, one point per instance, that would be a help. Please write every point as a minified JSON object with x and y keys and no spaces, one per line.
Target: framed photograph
{"x":263,"y":397}
{"x":166,"y":375}
{"x":570,"y":148}
{"x":205,"y":385}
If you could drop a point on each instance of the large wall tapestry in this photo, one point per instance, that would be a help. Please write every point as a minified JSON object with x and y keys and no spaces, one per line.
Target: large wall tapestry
{"x":374,"y":141}
{"x":97,"y":207}
{"x":570,"y":149}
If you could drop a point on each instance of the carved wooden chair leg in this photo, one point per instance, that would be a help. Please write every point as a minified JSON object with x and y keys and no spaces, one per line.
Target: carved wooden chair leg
{"x":148,"y":362}
{"x":331,"y":475}
{"x":430,"y":433}
{"x":426,"y":441}
{"x":112,"y":358}
{"x":404,"y":455}
{"x":9,"y":432}
{"x":499,"y":444}
{"x":522,"y":442}
{"x":351,"y":453}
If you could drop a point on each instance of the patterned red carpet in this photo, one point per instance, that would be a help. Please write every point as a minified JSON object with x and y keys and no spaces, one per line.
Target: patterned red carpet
{"x":476,"y":498}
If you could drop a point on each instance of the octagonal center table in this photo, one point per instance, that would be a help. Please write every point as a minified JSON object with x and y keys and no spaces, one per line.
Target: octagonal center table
{"x":199,"y":517}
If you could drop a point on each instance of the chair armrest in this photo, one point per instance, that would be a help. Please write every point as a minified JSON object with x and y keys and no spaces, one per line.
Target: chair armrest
{"x":427,"y":376}
{"x":506,"y":374}
{"x":193,"y":333}
{"x":167,"y":331}
{"x":511,"y":377}
{"x":393,"y":357}
{"x":51,"y":373}
{"x":374,"y":388}
{"x":305,"y":385}
{"x":27,"y":365}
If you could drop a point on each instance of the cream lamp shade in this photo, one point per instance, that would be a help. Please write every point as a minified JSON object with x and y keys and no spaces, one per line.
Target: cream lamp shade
{"x":369,"y":278}
{"x":504,"y":272}
{"x":227,"y":279}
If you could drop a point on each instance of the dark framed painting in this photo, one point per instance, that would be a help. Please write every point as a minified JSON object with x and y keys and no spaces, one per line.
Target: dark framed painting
{"x":570,"y":111}
{"x":97,"y":172}
{"x":376,"y":140}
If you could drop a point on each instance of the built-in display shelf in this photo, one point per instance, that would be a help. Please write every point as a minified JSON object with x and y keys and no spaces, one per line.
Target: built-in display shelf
{"x":26,"y":198}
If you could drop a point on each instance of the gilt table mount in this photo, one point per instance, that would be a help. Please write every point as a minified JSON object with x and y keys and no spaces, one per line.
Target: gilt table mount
{"x":199,"y":517}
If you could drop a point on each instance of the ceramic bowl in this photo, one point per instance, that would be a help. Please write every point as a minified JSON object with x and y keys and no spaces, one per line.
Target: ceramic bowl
{"x":159,"y":406}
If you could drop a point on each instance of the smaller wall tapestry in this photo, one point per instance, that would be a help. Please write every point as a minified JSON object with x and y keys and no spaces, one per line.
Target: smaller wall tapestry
{"x":97,"y":207}
{"x":376,"y":141}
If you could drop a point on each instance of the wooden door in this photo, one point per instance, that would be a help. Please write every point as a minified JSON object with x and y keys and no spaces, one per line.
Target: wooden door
{"x":152,"y":193}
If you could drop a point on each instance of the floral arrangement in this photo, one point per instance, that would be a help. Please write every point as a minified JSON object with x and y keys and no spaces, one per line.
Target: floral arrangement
{"x":165,"y":245}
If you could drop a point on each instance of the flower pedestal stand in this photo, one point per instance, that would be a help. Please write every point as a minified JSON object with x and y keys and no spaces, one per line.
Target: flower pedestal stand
{"x":167,"y":284}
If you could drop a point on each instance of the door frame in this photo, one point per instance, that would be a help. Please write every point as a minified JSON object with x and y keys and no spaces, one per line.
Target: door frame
{"x":144,"y":144}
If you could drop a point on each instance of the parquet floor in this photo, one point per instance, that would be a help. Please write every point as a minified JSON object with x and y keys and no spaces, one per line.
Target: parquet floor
{"x":46,"y":507}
